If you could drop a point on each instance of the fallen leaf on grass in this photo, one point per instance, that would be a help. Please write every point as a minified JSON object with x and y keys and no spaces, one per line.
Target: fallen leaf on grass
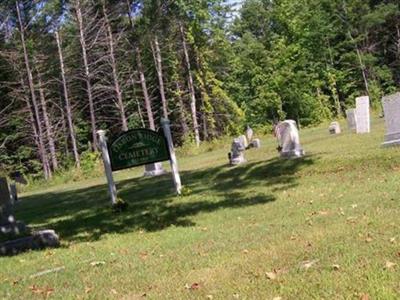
{"x":245,"y":251}
{"x":389,"y":265}
{"x":193,"y":286}
{"x":97,"y":263}
{"x":336,"y":267}
{"x":308,"y":264}
{"x":354,"y":206}
{"x":271,"y":275}
{"x":210,"y":297}
{"x":392,"y":240}
{"x":364,"y":297}
{"x":114,"y":291}
{"x":43,"y":291}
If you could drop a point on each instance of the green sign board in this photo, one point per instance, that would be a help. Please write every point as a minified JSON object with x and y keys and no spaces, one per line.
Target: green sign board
{"x":137,"y":147}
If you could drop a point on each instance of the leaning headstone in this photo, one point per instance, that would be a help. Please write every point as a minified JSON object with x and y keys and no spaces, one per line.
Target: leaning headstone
{"x":289,"y":140}
{"x":391,"y":108}
{"x":362,"y":115}
{"x":249,"y":134}
{"x":236,"y":156}
{"x":334,"y":128}
{"x":351,"y":119}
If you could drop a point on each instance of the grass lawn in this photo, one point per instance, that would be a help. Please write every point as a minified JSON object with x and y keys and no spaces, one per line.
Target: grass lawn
{"x":322,"y":227}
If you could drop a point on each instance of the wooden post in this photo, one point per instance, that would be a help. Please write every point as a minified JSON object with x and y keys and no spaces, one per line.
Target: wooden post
{"x":174,"y":163}
{"x":107,"y":166}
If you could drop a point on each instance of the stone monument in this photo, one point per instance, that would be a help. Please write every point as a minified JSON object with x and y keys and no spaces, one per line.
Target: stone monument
{"x":243,"y":140}
{"x":236,"y":156}
{"x":391,"y":108}
{"x":288,"y":139}
{"x":16,"y":235}
{"x":249,"y":134}
{"x":351,"y":119}
{"x":362,"y":115}
{"x":334,"y":128}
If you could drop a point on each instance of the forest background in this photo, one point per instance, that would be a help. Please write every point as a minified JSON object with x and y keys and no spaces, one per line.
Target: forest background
{"x":70,"y":68}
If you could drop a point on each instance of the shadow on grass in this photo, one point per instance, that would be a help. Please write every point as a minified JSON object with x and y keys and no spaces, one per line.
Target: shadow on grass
{"x":85,"y":214}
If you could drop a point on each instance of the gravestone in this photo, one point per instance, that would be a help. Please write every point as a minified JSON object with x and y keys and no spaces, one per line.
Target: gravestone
{"x":351,"y":119}
{"x":8,"y":225}
{"x":12,"y":230}
{"x":155,"y":169}
{"x":289,"y":140}
{"x":249,"y":134}
{"x":256,"y":143}
{"x":362,"y":115}
{"x":391,"y":108}
{"x":334,"y":128}
{"x":243,"y":140}
{"x":236,"y":156}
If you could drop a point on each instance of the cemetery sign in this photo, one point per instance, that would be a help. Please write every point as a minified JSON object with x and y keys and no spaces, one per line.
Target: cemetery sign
{"x":138,"y":147}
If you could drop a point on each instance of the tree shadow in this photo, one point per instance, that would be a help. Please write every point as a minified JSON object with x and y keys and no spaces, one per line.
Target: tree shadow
{"x":85,"y":214}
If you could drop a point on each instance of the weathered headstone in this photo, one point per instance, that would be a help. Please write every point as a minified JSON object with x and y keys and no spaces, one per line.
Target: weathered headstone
{"x":243,"y":140}
{"x":334,"y":128}
{"x":289,"y":140}
{"x":249,"y":134}
{"x":362,"y":115}
{"x":351,"y":119}
{"x":8,"y":225}
{"x":236,"y":156}
{"x":155,"y":169}
{"x":12,"y":230}
{"x":391,"y":108}
{"x":256,"y":143}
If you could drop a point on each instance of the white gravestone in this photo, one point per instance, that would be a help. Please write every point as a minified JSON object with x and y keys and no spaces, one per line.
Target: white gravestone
{"x":362,"y":115}
{"x":249,"y":134}
{"x":391,"y":108}
{"x":243,"y":140}
{"x":351,"y":119}
{"x":334,"y":128}
{"x":289,"y":140}
{"x":236,"y":156}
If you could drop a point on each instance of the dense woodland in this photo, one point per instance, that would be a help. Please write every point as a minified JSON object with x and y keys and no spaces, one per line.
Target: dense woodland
{"x":71,"y":67}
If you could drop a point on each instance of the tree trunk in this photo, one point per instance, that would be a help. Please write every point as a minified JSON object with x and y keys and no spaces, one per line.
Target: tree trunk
{"x":117,"y":87}
{"x":89,"y":87}
{"x":41,"y":145}
{"x":68,"y":105}
{"x":184,"y":126}
{"x":48,"y":126}
{"x":158,"y":62}
{"x":191,"y":88}
{"x":147,"y":100}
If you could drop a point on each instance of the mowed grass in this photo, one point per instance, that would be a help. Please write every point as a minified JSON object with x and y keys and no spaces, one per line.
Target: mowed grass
{"x":322,"y":227}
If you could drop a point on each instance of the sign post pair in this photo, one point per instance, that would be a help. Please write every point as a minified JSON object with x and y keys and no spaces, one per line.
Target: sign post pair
{"x":138,"y":147}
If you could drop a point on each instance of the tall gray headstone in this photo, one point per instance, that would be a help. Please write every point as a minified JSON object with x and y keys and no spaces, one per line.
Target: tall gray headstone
{"x":391,"y":108}
{"x":249,"y":134}
{"x":362,"y":115}
{"x":351,"y":119}
{"x":237,"y":152}
{"x":289,"y":139}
